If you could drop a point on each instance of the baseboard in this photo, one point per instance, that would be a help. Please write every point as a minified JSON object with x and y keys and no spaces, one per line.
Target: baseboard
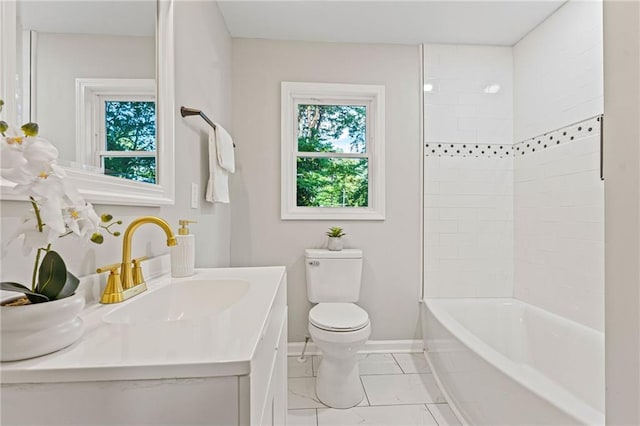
{"x":371,"y":347}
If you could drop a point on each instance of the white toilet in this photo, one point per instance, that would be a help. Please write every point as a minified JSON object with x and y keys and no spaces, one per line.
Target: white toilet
{"x":337,"y":325}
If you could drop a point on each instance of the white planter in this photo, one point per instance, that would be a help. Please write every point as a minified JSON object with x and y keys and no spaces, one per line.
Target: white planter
{"x":335,"y":244}
{"x":33,"y":330}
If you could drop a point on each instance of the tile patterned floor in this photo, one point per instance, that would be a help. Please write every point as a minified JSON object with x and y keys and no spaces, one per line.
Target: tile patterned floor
{"x":399,"y":391}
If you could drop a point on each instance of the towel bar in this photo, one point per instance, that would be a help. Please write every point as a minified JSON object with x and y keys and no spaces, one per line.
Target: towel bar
{"x":185,"y":112}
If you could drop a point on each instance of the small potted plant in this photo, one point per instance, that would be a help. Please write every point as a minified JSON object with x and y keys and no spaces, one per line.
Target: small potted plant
{"x":335,"y":234}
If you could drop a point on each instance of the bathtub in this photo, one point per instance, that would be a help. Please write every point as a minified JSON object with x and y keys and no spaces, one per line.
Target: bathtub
{"x":504,"y":362}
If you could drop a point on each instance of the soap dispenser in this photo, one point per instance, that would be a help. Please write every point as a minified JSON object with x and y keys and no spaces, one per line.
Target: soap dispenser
{"x":183,"y":255}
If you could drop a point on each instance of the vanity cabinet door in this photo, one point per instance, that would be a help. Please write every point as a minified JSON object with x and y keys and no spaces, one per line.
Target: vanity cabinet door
{"x":275,"y":403}
{"x":263,"y":391}
{"x":279,"y":380}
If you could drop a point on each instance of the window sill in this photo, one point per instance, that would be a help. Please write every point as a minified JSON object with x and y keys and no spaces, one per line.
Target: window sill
{"x":332,"y":213}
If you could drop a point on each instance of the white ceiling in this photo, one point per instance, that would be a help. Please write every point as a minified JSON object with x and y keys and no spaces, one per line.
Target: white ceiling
{"x":404,"y":22}
{"x":118,"y":17}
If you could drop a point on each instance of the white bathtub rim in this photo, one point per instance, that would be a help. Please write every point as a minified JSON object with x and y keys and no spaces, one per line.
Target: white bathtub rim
{"x":562,"y":398}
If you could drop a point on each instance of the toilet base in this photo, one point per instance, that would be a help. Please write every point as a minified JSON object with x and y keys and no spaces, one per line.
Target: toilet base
{"x":338,"y":380}
{"x":338,"y":383}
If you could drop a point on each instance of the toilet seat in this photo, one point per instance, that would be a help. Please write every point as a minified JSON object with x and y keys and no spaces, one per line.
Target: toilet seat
{"x":338,"y":317}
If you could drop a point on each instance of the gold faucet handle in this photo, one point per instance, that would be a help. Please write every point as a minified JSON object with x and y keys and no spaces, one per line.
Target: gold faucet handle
{"x":136,"y":261}
{"x":113,"y":290}
{"x":109,"y":268}
{"x":138,"y":278}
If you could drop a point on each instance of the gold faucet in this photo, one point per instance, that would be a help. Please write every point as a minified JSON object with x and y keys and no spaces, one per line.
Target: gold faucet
{"x":127,"y":284}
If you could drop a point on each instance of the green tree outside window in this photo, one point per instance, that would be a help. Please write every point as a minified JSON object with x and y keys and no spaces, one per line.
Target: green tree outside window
{"x":330,"y":181}
{"x":130,"y":128}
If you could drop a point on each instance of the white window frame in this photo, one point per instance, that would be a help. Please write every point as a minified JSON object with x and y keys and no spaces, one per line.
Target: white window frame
{"x":90,"y":97}
{"x":296,"y":93}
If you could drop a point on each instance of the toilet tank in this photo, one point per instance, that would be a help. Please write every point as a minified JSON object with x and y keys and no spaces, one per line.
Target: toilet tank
{"x":333,"y":276}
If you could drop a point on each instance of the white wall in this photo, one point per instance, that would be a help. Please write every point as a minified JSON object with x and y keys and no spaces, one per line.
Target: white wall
{"x":559,"y":228}
{"x":391,"y":275}
{"x":529,"y":226}
{"x":468,"y":172}
{"x":61,"y":58}
{"x":468,"y":225}
{"x":622,"y":210}
{"x":558,"y":70}
{"x":457,"y":110}
{"x":203,"y":80}
{"x":559,"y":220}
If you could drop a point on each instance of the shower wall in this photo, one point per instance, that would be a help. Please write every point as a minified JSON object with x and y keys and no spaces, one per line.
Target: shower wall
{"x":468,"y":171}
{"x":513,"y":202}
{"x":558,"y":194}
{"x":558,"y":71}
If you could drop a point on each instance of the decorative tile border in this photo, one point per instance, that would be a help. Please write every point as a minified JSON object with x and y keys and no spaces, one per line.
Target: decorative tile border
{"x":571,"y":133}
{"x":441,"y":149}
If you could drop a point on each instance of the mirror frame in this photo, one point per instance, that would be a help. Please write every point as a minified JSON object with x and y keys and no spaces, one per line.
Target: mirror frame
{"x":98,"y":188}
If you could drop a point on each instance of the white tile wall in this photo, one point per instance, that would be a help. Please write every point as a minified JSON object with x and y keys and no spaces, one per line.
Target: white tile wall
{"x":558,"y":196}
{"x":559,"y":231}
{"x":457,"y":109}
{"x":558,"y":70}
{"x":468,"y":201}
{"x":534,"y":219}
{"x":468,"y":223}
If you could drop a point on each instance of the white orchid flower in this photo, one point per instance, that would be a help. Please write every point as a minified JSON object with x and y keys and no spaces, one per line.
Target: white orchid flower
{"x":58,"y":209}
{"x":31,"y":237}
{"x":26,"y":160}
{"x":51,"y":212}
{"x":30,"y":162}
{"x":91,"y":221}
{"x":34,"y":239}
{"x":40,"y":150}
{"x":71,"y":192}
{"x":82,"y":220}
{"x":12,"y":161}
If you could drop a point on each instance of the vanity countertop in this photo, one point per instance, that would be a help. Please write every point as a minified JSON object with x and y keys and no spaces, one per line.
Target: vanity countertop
{"x":221,"y":344}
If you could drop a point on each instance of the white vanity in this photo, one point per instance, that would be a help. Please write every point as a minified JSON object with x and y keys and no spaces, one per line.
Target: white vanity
{"x":208,"y":349}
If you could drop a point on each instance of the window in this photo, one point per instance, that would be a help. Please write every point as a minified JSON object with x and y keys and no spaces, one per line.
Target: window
{"x":127,"y":145}
{"x":117,"y":127}
{"x":332,"y":151}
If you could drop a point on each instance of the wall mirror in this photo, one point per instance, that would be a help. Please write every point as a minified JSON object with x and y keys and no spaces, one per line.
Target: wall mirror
{"x":98,"y":78}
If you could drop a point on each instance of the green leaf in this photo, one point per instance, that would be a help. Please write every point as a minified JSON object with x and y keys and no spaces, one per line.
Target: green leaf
{"x":3,"y":127}
{"x":106,"y":217}
{"x":69,"y":287}
{"x":52,"y":275}
{"x":33,"y":297}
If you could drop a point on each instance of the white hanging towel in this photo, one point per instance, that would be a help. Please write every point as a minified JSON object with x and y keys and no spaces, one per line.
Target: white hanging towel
{"x":218,"y":185}
{"x":224,"y":144}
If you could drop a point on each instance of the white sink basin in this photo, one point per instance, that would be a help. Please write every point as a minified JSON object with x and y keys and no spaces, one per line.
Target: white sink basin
{"x":181,"y":301}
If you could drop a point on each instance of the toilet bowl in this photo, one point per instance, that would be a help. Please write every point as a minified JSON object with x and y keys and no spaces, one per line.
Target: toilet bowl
{"x":339,"y":330}
{"x":337,"y":325}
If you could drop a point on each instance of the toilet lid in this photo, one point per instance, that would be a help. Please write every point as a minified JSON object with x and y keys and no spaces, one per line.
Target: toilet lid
{"x":338,"y":316}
